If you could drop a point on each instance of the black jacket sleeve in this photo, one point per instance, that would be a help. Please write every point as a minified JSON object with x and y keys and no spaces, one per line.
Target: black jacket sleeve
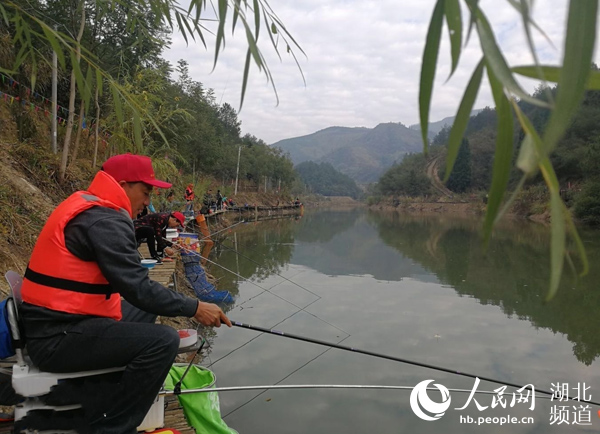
{"x":107,"y":236}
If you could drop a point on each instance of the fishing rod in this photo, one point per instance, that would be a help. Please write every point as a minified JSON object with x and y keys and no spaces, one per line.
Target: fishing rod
{"x":393,"y":358}
{"x":217,"y":232}
{"x":320,"y":386}
{"x":222,"y":230}
{"x":263,"y":289}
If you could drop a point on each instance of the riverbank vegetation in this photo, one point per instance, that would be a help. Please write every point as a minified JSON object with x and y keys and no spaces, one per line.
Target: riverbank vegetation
{"x":115,"y":94}
{"x":576,"y":161}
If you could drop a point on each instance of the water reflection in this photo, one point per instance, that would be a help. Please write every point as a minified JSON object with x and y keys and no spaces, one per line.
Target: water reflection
{"x":511,"y":274}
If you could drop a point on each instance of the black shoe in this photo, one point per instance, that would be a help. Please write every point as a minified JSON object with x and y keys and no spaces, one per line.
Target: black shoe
{"x":158,"y":260}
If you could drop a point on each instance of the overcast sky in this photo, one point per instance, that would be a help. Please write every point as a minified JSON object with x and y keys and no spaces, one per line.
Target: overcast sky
{"x":362,"y":64}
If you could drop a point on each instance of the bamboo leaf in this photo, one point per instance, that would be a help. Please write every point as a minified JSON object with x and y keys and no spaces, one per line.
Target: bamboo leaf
{"x":256,"y":20}
{"x":253,"y":48}
{"x":473,"y":8}
{"x":245,"y":77}
{"x":528,"y":157}
{"x":51,"y":37}
{"x":495,"y":61}
{"x":579,"y":48}
{"x":181,"y":28}
{"x":99,"y":83}
{"x":454,"y":22}
{"x":557,"y":249}
{"x":189,"y":29}
{"x":531,"y":149}
{"x":4,"y":15}
{"x":271,"y":33}
{"x":137,"y":129}
{"x":117,"y":102}
{"x":428,"y":68}
{"x":220,"y":38}
{"x":236,"y":14}
{"x":502,"y":156}
{"x":462,"y":118}
{"x":552,"y":74}
{"x":76,"y":67}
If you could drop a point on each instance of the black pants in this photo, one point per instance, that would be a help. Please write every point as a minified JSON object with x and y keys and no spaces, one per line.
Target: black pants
{"x":147,"y":351}
{"x":147,"y":232}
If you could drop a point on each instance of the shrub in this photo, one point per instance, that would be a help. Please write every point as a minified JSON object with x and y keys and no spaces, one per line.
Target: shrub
{"x":587,"y":204}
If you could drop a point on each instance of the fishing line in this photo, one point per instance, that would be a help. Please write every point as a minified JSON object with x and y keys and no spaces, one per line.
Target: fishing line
{"x":263,"y":289}
{"x":218,"y":232}
{"x":287,"y":376}
{"x":392,"y":358}
{"x":259,"y":335}
{"x":258,"y":263}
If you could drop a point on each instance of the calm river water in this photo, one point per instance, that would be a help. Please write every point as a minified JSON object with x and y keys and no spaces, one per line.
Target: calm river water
{"x":414,"y":287}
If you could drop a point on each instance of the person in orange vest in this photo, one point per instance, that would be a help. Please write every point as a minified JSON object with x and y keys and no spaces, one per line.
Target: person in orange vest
{"x":189,"y":198}
{"x":86,"y":259}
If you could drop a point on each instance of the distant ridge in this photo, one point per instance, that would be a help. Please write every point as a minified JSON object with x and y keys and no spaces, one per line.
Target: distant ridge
{"x":436,"y":127}
{"x":363,"y":154}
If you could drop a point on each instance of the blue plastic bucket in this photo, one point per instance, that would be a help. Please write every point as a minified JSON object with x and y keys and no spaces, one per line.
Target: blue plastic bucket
{"x":189,"y":243}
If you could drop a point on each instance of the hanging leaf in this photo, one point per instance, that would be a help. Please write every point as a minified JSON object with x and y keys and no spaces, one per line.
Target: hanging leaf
{"x":473,"y":6}
{"x":502,"y":156}
{"x":428,"y":68}
{"x":579,"y":49}
{"x":495,"y":61}
{"x":454,"y":22}
{"x":462,"y":118}
{"x":552,"y":74}
{"x":51,"y":37}
{"x":220,"y":37}
{"x":78,"y":75}
{"x":557,"y":249}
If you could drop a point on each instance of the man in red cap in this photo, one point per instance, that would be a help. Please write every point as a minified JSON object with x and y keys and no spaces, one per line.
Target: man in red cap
{"x":153,"y":229}
{"x":84,"y":261}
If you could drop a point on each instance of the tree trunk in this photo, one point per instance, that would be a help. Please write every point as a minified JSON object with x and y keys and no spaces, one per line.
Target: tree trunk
{"x":73,"y":92}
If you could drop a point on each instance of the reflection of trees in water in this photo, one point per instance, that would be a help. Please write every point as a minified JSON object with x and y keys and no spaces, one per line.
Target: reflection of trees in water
{"x":320,"y":227}
{"x":513,"y":273}
{"x":267,"y":247}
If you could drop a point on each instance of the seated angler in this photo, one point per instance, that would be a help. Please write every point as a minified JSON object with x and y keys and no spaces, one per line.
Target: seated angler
{"x":84,"y":262}
{"x":153,"y":228}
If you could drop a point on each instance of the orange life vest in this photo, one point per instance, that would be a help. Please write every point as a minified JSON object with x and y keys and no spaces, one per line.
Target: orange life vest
{"x":58,"y":280}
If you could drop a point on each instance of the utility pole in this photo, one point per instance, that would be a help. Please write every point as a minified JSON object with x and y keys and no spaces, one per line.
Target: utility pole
{"x":237,"y":171}
{"x":54,"y":100}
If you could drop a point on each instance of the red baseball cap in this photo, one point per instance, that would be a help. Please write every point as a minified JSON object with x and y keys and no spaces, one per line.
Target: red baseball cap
{"x":133,"y":168}
{"x":179,"y":216}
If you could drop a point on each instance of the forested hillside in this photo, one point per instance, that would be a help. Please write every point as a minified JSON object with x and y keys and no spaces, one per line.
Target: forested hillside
{"x":158,"y":109}
{"x":361,"y":153}
{"x":322,"y":178}
{"x":576,"y":159}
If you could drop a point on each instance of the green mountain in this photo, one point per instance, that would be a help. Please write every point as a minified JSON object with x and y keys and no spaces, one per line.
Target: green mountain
{"x":361,"y":153}
{"x":436,"y":127}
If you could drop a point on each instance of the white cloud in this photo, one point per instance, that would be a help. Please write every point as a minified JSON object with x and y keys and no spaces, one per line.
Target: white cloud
{"x":362,"y":64}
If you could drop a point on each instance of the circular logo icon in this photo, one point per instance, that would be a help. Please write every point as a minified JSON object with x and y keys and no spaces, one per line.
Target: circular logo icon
{"x":423,"y":406}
